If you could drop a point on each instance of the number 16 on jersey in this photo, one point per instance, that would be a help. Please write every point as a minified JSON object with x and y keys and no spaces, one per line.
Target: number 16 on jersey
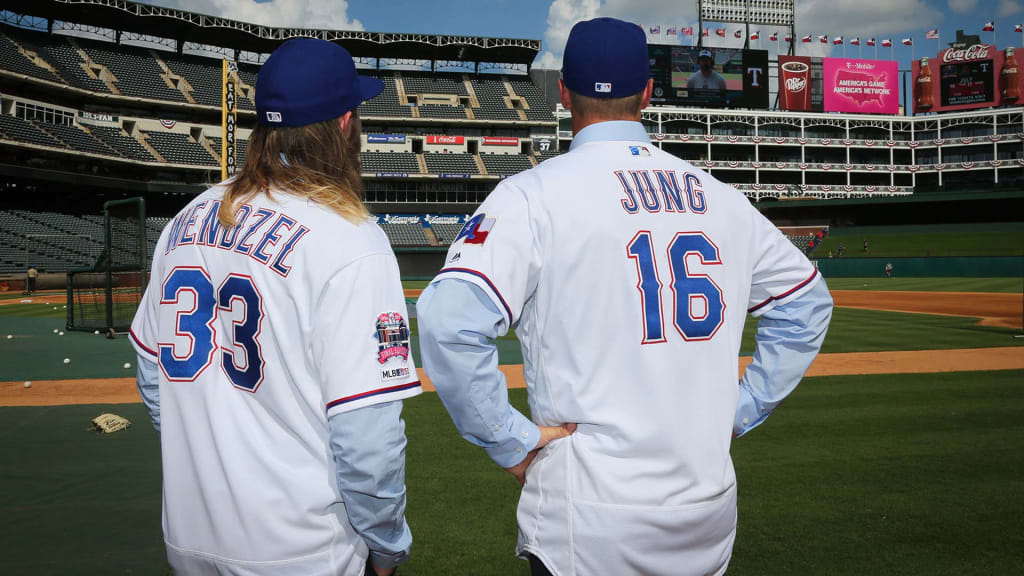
{"x":698,"y":304}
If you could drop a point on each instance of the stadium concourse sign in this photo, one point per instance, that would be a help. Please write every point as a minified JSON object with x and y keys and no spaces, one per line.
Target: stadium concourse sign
{"x":446,"y":140}
{"x":965,"y":77}
{"x":500,"y":141}
{"x":385,"y":138}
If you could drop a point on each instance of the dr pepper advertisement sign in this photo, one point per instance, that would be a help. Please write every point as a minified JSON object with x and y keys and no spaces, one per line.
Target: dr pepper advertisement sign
{"x":966,"y":77}
{"x":860,"y":86}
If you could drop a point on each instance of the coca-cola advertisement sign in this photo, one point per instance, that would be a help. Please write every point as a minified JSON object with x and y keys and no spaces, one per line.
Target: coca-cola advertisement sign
{"x":446,"y":139}
{"x":966,"y":77}
{"x":500,"y":141}
{"x":860,"y":86}
{"x":974,"y":52}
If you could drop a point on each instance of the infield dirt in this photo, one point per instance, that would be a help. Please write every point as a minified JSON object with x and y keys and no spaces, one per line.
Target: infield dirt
{"x":1004,"y":310}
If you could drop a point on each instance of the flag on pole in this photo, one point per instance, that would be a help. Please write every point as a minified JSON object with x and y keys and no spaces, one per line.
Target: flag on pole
{"x":823,"y":39}
{"x":774,"y":36}
{"x":837,"y":40}
{"x":871,"y":41}
{"x":738,"y":33}
{"x":887,"y":42}
{"x":854,"y":41}
{"x":908,"y":41}
{"x":670,"y":31}
{"x":989,"y":26}
{"x":720,"y":32}
{"x":932,"y":34}
{"x":806,"y":39}
{"x":688,"y":31}
{"x":1018,"y":27}
{"x":789,"y":38}
{"x":755,"y":35}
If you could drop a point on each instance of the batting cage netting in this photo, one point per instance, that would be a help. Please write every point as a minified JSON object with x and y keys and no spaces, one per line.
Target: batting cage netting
{"x":106,"y":294}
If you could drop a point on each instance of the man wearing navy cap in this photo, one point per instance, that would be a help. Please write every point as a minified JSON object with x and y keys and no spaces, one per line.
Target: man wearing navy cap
{"x":273,"y":347}
{"x":705,"y":78}
{"x":627,"y":275}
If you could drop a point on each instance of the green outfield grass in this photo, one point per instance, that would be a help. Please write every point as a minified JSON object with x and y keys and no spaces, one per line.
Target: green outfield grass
{"x":999,"y":285}
{"x":36,"y":352}
{"x":1005,"y":239}
{"x":908,"y":474}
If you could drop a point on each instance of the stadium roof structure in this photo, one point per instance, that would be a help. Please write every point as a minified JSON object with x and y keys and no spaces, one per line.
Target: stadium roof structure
{"x":182,"y":26}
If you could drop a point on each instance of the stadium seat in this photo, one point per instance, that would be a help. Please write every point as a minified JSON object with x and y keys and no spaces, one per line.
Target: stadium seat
{"x":179,"y":148}
{"x":505,"y":164}
{"x":450,"y":163}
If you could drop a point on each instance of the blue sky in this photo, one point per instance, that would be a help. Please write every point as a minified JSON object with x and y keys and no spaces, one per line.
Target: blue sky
{"x":550,"y":20}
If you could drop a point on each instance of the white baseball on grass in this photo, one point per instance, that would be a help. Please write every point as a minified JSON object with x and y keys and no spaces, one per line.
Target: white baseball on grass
{"x":28,"y":384}
{"x":54,"y":307}
{"x":67,"y":360}
{"x":96,"y":332}
{"x":55,"y":330}
{"x":127,"y":365}
{"x":9,"y":336}
{"x":60,"y":333}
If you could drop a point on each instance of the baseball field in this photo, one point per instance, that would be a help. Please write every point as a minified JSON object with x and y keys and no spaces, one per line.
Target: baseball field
{"x":902,"y":452}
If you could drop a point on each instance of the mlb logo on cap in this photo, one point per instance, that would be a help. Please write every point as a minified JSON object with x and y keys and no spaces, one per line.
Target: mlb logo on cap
{"x":603,"y":87}
{"x":274,"y":117}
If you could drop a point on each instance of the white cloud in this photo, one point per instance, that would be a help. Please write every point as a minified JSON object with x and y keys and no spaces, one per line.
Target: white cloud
{"x":563,"y":14}
{"x":962,"y":6}
{"x":863,"y":18}
{"x":329,"y":14}
{"x":1010,"y":7}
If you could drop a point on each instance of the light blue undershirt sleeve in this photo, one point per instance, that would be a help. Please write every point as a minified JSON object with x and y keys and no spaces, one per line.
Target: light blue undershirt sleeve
{"x":148,"y":381}
{"x":457,"y":322}
{"x":788,"y":338}
{"x":368,"y":444}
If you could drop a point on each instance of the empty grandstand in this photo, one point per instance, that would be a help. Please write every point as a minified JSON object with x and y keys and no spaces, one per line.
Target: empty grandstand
{"x":97,"y":103}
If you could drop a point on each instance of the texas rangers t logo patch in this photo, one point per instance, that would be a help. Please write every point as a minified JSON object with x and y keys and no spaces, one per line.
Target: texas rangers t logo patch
{"x":476,"y":229}
{"x":392,"y":337}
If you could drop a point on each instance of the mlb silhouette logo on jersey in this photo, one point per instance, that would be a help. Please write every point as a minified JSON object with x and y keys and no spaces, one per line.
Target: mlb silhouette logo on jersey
{"x":392,"y":337}
{"x":639,"y":151}
{"x":476,"y":230}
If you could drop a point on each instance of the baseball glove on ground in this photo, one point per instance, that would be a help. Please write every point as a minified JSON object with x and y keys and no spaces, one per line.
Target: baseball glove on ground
{"x":108,"y":423}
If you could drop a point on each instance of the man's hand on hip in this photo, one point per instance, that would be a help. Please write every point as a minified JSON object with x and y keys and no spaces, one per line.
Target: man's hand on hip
{"x":547,"y":434}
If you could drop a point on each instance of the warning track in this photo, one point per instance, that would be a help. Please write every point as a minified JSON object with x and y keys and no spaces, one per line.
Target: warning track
{"x":122,"y":390}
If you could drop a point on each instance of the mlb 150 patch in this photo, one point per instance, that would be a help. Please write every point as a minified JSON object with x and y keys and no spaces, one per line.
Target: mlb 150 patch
{"x":392,"y":337}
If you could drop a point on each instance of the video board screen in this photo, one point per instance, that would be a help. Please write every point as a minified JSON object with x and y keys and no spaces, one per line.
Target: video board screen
{"x":711,"y":77}
{"x":966,"y":83}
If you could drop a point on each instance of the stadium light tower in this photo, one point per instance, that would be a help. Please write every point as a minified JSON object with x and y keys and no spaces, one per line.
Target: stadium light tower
{"x":763,"y":12}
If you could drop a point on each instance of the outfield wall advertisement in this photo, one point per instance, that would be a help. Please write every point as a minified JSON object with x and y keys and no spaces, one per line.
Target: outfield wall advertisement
{"x":860,"y":86}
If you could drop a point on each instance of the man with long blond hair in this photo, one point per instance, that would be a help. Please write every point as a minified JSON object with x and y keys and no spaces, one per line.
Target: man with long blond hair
{"x":274,"y":347}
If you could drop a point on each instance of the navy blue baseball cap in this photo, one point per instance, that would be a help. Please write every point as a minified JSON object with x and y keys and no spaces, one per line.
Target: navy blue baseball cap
{"x":307,"y":80}
{"x":605,"y":58}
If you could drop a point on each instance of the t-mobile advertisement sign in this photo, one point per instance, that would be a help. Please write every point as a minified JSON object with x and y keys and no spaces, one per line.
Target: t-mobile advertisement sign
{"x":860,"y":86}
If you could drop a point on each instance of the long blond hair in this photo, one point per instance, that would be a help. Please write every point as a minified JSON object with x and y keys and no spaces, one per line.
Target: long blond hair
{"x":316,"y":161}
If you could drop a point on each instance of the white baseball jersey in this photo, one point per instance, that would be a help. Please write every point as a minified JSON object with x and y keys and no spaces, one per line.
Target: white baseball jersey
{"x":628,"y":275}
{"x":262,"y":331}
